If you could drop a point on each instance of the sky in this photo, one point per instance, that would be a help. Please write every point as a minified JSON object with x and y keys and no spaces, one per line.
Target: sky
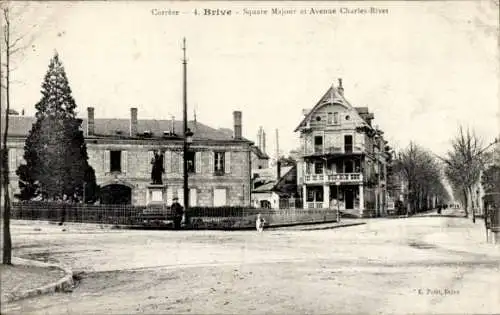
{"x":423,"y":68}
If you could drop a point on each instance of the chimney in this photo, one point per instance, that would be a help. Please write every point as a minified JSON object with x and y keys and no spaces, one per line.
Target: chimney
{"x":259,"y":138}
{"x":278,"y":163}
{"x":90,"y":121}
{"x":237,"y":124}
{"x":133,"y":122}
{"x":340,"y":88}
{"x":263,"y":141}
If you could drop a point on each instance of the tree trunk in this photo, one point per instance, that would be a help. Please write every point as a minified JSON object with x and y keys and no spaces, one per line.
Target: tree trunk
{"x":473,"y":209}
{"x":466,"y":202}
{"x":7,"y":242}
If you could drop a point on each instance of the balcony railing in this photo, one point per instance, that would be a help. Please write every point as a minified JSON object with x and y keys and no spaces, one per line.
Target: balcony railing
{"x":314,"y":205}
{"x":333,"y":178}
{"x":318,"y":150}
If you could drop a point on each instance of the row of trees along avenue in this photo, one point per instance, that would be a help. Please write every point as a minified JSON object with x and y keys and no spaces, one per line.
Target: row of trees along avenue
{"x":422,"y":172}
{"x":55,"y":151}
{"x":465,"y":164}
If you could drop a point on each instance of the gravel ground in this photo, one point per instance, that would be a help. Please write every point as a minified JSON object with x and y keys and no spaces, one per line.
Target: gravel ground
{"x":383,"y":267}
{"x":18,"y":278}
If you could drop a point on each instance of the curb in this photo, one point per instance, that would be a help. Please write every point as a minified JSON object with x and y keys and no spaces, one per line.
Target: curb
{"x":334,"y":227}
{"x":63,"y":284}
{"x":92,"y":226}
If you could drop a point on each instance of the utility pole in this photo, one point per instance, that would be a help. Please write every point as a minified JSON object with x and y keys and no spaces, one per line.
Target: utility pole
{"x":185,"y":129}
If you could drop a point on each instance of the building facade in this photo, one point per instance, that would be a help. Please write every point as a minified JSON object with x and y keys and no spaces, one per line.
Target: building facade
{"x":343,"y":162}
{"x":123,"y":152}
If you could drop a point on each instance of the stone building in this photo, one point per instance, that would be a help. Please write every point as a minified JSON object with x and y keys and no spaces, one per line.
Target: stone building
{"x":122,"y":151}
{"x":344,"y":158}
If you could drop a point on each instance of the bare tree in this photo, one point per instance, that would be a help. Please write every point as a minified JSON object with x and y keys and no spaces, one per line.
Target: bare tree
{"x":10,"y":45}
{"x":464,"y":164}
{"x":422,"y":173}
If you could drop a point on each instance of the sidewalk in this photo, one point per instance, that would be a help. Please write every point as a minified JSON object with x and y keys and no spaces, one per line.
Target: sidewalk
{"x":322,"y":226}
{"x":464,"y":236}
{"x":27,"y":278}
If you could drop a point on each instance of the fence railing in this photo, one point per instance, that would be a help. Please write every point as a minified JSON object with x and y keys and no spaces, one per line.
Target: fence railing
{"x":199,"y":217}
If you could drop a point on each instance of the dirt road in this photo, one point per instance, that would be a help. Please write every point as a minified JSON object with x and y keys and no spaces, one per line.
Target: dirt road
{"x":386,"y":266}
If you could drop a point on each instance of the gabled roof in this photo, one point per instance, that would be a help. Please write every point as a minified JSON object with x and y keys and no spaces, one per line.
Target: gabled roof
{"x":108,"y":127}
{"x":332,"y":96}
{"x":273,"y":184}
{"x":261,"y":155}
{"x":270,"y":173}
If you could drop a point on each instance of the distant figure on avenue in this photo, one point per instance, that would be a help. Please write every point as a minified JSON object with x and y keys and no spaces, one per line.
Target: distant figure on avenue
{"x":157,"y":170}
{"x":178,"y":212}
{"x":63,"y":209}
{"x":259,"y":223}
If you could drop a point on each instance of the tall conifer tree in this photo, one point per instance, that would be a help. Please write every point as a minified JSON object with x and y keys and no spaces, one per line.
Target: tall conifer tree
{"x":55,"y":150}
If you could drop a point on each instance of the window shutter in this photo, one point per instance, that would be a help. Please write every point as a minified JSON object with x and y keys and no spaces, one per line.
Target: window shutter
{"x":106,"y":161}
{"x":227,"y":162}
{"x":181,"y":163}
{"x":211,"y":161}
{"x":197,"y":162}
{"x":12,"y":160}
{"x":167,"y":159}
{"x":174,"y":161}
{"x":170,"y":196}
{"x":180,"y":195}
{"x":124,"y":161}
{"x":193,"y":197}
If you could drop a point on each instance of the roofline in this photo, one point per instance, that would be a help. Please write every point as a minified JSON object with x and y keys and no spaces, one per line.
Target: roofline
{"x":318,"y":104}
{"x":151,"y":139}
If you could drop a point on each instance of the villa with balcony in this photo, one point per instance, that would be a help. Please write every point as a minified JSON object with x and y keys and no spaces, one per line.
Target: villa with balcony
{"x":343,"y":158}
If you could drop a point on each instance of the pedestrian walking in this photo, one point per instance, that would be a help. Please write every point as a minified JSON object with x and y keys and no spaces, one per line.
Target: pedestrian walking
{"x":259,"y":223}
{"x":178,"y":212}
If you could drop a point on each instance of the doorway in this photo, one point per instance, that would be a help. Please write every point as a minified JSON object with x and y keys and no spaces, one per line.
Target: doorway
{"x":349,"y":198}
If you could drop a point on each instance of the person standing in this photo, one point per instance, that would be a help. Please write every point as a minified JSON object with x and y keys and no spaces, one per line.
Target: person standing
{"x":259,"y":223}
{"x":63,"y":208}
{"x":178,"y":212}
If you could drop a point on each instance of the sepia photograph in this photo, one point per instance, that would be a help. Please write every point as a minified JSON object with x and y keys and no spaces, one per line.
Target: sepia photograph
{"x":250,"y":157}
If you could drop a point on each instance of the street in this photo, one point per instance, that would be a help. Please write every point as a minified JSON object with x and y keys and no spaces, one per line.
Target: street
{"x":386,"y":266}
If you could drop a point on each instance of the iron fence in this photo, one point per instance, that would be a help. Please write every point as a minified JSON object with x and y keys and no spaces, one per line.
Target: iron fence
{"x":198,"y":217}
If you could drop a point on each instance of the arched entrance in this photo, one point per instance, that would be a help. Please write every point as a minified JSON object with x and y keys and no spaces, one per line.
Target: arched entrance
{"x":116,"y":194}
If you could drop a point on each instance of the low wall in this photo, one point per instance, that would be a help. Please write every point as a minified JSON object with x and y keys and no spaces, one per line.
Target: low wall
{"x":275,"y":217}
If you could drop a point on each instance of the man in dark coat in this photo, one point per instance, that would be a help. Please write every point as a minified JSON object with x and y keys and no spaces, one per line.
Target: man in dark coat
{"x":178,"y":212}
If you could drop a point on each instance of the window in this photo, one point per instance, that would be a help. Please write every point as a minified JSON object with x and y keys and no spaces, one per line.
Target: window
{"x":115,"y":161}
{"x":318,"y":144}
{"x":347,"y":117}
{"x":220,"y":197}
{"x":314,"y":194}
{"x":318,"y":168}
{"x":336,"y":118}
{"x":219,"y":162}
{"x":329,"y":119}
{"x":318,"y":118}
{"x":193,"y":197}
{"x":190,"y":158}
